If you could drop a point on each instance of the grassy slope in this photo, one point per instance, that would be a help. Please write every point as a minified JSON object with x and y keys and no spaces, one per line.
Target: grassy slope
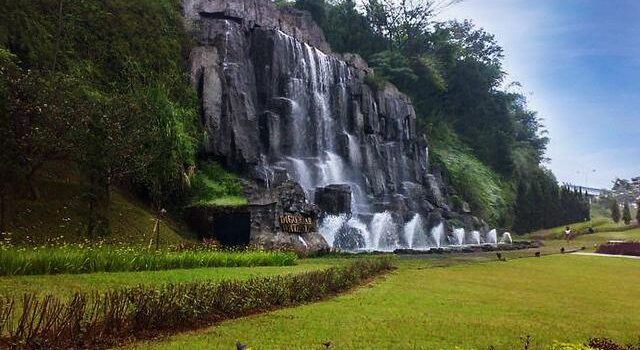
{"x":66,"y":284}
{"x":58,"y":216}
{"x":599,"y":224}
{"x":470,"y":305}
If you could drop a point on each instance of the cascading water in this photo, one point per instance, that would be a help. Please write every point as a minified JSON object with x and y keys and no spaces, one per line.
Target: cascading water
{"x":413,"y":231}
{"x":315,"y":140}
{"x":330,"y":226}
{"x":383,"y":232}
{"x":475,"y":236}
{"x":437,"y":232}
{"x":506,"y":238}
{"x":355,"y":155}
{"x":458,"y":234}
{"x":492,"y":237}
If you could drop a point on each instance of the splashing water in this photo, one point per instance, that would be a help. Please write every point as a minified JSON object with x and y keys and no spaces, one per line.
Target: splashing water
{"x":330,"y":226}
{"x":436,"y":234}
{"x":458,"y":233}
{"x":492,"y":237}
{"x":413,"y":229}
{"x":506,"y":238}
{"x":475,"y":236}
{"x":382,"y":233}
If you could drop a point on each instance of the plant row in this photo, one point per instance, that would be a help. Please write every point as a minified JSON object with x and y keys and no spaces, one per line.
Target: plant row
{"x":72,"y":259}
{"x":94,"y":320}
{"x":625,"y":248}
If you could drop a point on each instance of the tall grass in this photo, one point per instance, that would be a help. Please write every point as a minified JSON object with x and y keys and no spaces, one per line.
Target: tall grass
{"x":90,"y":321}
{"x":78,"y":259}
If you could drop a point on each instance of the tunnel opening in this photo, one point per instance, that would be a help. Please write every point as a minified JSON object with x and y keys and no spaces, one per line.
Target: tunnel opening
{"x":232,"y":229}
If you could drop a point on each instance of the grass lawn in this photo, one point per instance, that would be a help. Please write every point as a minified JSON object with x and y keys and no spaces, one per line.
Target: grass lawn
{"x":560,"y":297}
{"x":66,"y":284}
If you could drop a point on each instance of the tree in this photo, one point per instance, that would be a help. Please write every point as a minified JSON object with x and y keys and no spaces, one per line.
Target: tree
{"x":43,"y":116}
{"x":638,"y":211}
{"x":615,"y":211}
{"x":626,"y":214}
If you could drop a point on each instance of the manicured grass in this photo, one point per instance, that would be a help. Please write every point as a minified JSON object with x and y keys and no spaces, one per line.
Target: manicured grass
{"x":66,"y":284}
{"x":81,"y":259}
{"x":95,"y":320}
{"x":560,"y":297}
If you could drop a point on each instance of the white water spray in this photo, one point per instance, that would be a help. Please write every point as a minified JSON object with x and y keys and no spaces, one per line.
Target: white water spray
{"x":436,"y":234}
{"x":413,"y":229}
{"x":506,"y":238}
{"x":458,"y":233}
{"x":475,"y":236}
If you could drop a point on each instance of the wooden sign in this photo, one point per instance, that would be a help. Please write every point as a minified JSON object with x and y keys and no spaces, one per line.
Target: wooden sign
{"x":296,"y":224}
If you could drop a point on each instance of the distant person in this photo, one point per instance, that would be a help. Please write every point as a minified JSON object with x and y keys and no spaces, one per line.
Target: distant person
{"x":567,"y":233}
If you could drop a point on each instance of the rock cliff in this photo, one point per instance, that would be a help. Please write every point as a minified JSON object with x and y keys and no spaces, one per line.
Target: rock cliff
{"x":277,"y":104}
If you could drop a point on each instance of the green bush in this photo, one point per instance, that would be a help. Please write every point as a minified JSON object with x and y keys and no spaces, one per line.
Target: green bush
{"x":213,"y":185}
{"x":93,"y":320}
{"x":476,"y":183}
{"x":80,"y":259}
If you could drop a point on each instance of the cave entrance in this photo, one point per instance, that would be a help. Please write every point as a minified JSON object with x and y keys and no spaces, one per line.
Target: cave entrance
{"x":232,"y":229}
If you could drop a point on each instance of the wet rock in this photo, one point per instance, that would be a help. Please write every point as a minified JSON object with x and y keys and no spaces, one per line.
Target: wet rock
{"x":349,"y":239}
{"x":434,"y":191}
{"x":334,"y":199}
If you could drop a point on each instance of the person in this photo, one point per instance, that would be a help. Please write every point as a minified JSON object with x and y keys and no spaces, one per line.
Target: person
{"x":567,"y":233}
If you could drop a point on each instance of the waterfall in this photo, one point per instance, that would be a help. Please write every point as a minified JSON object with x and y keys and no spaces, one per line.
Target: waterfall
{"x":330,"y":226}
{"x":436,"y":234}
{"x":458,"y":234}
{"x":506,"y":238}
{"x":355,"y":155}
{"x":412,"y":228}
{"x":492,"y":237}
{"x":383,"y":232}
{"x":302,"y":173}
{"x":475,"y":235}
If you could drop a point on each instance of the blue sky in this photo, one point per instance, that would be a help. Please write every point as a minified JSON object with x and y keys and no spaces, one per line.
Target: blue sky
{"x":579,"y":63}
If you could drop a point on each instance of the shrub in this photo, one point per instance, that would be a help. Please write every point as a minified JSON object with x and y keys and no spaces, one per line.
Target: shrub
{"x":475,"y":182}
{"x":78,"y":259}
{"x":608,"y":344}
{"x":213,"y":185}
{"x":626,"y":248}
{"x":93,"y":320}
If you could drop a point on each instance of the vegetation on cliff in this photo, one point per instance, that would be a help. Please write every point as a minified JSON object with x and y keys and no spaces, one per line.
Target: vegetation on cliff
{"x":101,"y":88}
{"x":495,"y":158}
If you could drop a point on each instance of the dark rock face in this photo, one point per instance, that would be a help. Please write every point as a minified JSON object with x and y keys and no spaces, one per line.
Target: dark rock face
{"x":267,"y":205}
{"x":334,"y":199}
{"x":277,"y":105}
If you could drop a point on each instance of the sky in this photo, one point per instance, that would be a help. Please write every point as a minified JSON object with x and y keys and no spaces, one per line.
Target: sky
{"x":579,"y":64}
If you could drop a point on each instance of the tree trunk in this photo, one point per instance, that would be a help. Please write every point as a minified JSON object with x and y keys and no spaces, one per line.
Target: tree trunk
{"x":3,"y":200}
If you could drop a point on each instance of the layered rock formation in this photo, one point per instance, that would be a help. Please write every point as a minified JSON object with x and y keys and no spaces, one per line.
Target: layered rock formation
{"x":277,"y":104}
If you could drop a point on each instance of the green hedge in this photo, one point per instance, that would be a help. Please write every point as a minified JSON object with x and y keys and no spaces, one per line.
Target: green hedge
{"x":89,"y":321}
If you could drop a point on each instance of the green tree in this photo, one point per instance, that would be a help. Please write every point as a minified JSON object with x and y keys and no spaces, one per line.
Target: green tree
{"x":626,"y":214}
{"x":615,"y":211}
{"x":638,"y":211}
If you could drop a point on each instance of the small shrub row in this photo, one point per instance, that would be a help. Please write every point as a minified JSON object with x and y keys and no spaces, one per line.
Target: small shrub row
{"x":626,"y":248}
{"x":78,"y":259}
{"x":89,"y":321}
